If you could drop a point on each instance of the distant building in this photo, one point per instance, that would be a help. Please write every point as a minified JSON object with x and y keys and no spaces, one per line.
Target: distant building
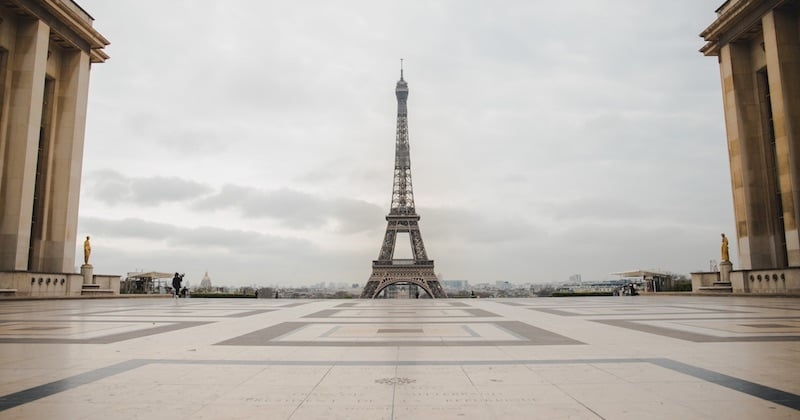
{"x":205,"y":282}
{"x":575,"y":278}
{"x":607,"y":286}
{"x":757,"y":44}
{"x":401,"y":291}
{"x":651,"y":281}
{"x":455,"y":285}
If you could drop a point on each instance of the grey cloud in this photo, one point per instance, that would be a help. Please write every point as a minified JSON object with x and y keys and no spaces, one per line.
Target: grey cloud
{"x":193,"y":141}
{"x":337,"y":171}
{"x":240,"y":242}
{"x":594,"y":209}
{"x":294,"y":208}
{"x":127,"y":228}
{"x":114,"y":188}
{"x":161,"y":130}
{"x":468,"y":226}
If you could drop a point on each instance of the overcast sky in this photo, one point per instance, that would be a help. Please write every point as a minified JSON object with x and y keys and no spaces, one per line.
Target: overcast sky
{"x":255,"y":139}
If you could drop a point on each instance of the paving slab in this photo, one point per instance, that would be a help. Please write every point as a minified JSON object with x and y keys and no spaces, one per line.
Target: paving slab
{"x":691,"y":357}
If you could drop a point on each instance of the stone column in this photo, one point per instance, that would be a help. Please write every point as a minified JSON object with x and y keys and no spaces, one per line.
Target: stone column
{"x":782,"y":50}
{"x":752,"y":196}
{"x":28,"y":66}
{"x":72,"y":96}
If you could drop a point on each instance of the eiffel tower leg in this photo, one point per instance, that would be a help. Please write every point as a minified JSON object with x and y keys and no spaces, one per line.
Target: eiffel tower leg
{"x":370,"y":289}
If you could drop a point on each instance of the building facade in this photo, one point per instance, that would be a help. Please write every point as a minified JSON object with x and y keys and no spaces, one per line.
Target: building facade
{"x":757,"y":43}
{"x":47,"y":48}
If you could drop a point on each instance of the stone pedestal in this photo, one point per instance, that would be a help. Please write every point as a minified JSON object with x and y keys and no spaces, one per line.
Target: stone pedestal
{"x":87,"y":271}
{"x":725,"y":269}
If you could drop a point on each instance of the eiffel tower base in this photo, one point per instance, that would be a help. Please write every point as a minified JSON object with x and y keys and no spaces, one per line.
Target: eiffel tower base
{"x":384,"y":276}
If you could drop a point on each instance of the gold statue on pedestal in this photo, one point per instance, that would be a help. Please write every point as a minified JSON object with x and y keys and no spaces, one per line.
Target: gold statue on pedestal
{"x":724,"y":249}
{"x":87,"y":250}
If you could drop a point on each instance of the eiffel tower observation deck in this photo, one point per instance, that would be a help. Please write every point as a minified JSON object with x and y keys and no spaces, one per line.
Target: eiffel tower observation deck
{"x":402,"y":218}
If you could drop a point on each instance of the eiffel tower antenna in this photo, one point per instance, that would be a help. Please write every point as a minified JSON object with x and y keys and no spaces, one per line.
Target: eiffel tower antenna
{"x":402,"y":218}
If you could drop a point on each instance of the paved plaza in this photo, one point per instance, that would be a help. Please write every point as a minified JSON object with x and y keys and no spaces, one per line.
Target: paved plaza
{"x":654,"y":357}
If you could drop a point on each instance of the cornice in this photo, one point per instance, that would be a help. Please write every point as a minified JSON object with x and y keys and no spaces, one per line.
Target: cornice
{"x":74,"y":28}
{"x":735,"y":21}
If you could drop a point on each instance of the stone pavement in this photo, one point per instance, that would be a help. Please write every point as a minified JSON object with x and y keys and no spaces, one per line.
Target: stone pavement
{"x":654,"y":357}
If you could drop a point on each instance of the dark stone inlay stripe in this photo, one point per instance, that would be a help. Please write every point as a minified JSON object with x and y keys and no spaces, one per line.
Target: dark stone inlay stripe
{"x":751,"y":388}
{"x":554,"y":311}
{"x":41,"y":391}
{"x":38,"y":329}
{"x":774,"y":395}
{"x":473,"y":312}
{"x":293,"y":304}
{"x":784,"y":308}
{"x":325,"y":313}
{"x":707,"y":309}
{"x":691,"y":336}
{"x":480,"y":312}
{"x":634,"y":312}
{"x":535,"y":335}
{"x":399,"y":330}
{"x":526,"y":334}
{"x":767,"y":325}
{"x":249,"y":313}
{"x":263,"y":336}
{"x":112,"y":338}
{"x":178,"y":314}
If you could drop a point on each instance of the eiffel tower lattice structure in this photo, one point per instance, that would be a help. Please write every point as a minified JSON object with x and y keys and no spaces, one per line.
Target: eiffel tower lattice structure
{"x":402,"y":218}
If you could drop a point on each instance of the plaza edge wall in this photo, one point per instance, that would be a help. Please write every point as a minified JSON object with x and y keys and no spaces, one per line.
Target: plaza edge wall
{"x":32,"y":284}
{"x":782,"y":281}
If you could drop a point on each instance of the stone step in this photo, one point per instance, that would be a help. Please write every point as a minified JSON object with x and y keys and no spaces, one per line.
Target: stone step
{"x":716,"y":289}
{"x":95,"y":290}
{"x":101,"y":292}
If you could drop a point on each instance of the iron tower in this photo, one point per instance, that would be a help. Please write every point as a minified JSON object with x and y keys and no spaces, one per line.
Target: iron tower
{"x":402,"y":218}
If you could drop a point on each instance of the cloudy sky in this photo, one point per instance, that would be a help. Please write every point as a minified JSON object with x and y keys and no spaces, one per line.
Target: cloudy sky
{"x":255,"y":139}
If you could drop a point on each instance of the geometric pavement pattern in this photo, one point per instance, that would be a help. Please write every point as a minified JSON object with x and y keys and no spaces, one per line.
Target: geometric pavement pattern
{"x":595,"y":357}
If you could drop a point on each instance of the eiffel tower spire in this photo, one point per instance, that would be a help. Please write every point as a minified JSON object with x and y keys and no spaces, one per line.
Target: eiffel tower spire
{"x":403,"y":192}
{"x":402,"y":218}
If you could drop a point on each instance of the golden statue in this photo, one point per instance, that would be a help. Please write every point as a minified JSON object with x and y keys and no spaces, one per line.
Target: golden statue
{"x":87,"y":250}
{"x":725,"y":255}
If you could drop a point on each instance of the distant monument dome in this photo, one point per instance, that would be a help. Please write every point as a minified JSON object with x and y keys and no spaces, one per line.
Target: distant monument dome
{"x":205,"y":283}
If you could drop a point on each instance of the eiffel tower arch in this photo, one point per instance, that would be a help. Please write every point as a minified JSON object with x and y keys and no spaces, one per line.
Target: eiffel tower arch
{"x":402,"y":218}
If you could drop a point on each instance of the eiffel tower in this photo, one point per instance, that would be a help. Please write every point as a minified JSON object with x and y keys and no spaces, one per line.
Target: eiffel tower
{"x":402,"y":218}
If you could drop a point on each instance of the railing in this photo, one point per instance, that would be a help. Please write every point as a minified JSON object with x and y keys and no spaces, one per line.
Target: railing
{"x":401,"y":262}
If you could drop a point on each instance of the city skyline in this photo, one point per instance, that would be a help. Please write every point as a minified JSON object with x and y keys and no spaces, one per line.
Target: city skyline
{"x":256,"y":140}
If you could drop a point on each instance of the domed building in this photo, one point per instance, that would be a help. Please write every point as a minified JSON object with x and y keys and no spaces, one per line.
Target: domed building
{"x":205,"y":283}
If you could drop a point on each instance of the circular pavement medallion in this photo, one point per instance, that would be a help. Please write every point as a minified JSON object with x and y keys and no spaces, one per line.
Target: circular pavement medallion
{"x":395,"y":381}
